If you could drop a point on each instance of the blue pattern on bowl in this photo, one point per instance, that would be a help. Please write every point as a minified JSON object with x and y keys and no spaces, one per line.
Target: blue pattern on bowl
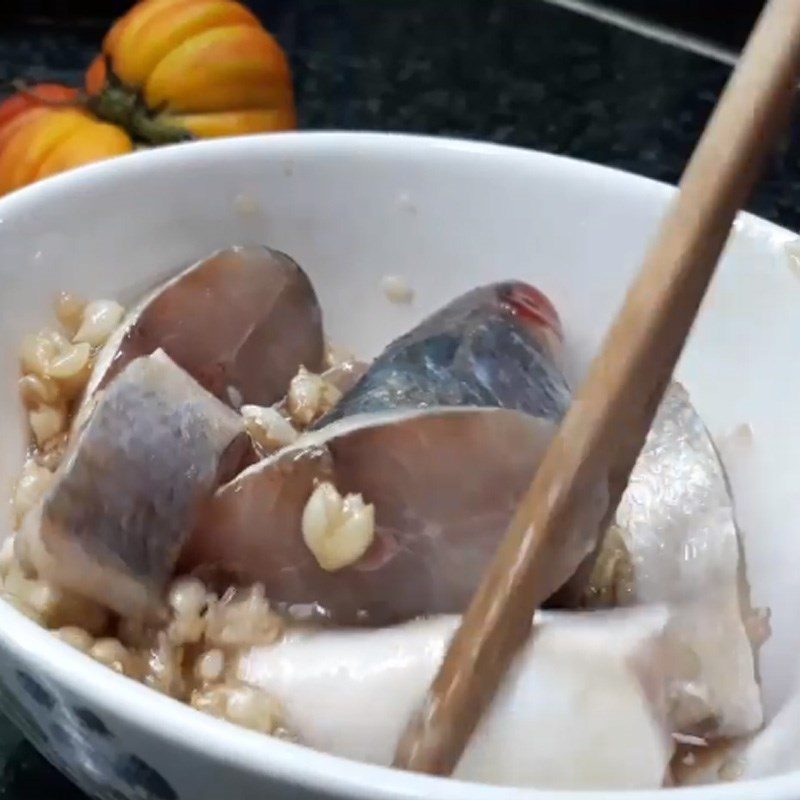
{"x":142,"y":777}
{"x":90,"y":721}
{"x":79,"y":743}
{"x":36,"y":691}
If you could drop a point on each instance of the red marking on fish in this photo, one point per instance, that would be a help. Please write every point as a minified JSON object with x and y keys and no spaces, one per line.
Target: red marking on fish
{"x":532,"y":305}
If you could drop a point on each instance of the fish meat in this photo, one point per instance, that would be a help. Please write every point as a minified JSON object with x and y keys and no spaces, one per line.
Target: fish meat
{"x":675,"y":541}
{"x":240,"y":322}
{"x":496,"y":346}
{"x":132,"y":484}
{"x":582,"y":706}
{"x":773,"y":750}
{"x":436,"y":527}
{"x":475,"y":385}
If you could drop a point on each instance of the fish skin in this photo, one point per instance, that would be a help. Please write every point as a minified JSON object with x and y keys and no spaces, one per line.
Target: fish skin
{"x":427,"y":556}
{"x":240,"y":322}
{"x":676,"y":535}
{"x":494,"y":347}
{"x":133,"y":483}
{"x":468,"y":386}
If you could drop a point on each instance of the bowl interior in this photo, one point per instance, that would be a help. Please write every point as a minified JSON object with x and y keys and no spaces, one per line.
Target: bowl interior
{"x":445,"y":216}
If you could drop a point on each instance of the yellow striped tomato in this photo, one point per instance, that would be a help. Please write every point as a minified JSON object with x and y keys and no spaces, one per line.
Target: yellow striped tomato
{"x":178,"y":69}
{"x":44,"y":130}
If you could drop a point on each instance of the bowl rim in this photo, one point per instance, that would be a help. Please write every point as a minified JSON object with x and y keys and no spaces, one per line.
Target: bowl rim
{"x":246,"y":750}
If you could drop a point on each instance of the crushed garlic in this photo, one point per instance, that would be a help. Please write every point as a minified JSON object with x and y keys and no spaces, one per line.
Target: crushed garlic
{"x":37,"y":352}
{"x":246,"y":205}
{"x":336,"y":356}
{"x":50,"y":605}
{"x":187,"y":599}
{"x":243,"y":705}
{"x":210,"y":666}
{"x":112,"y":653}
{"x":76,"y":637}
{"x":55,"y":370}
{"x":36,"y":390}
{"x":337,"y":530}
{"x":7,"y":557}
{"x":70,"y":361}
{"x":99,"y":320}
{"x":397,"y":289}
{"x":47,"y":422}
{"x":52,"y":452}
{"x":268,"y":427}
{"x":164,"y":671}
{"x":30,"y":487}
{"x":310,"y":396}
{"x":69,"y":311}
{"x":242,"y":618}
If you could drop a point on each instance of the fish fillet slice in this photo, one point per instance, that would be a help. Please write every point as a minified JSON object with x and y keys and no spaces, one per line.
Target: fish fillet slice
{"x":442,"y":434}
{"x":444,"y":483}
{"x":677,"y":526}
{"x":132,"y":485}
{"x":240,"y":322}
{"x":581,"y":708}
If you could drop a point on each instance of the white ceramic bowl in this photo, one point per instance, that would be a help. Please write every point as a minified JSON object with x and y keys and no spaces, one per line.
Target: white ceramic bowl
{"x":351,"y":208}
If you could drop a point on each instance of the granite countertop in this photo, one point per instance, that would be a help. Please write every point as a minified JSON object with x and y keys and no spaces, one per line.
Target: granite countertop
{"x":516,"y":71}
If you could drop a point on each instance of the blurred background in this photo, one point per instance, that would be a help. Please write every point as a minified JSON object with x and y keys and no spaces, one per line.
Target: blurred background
{"x":725,"y":21}
{"x":628,"y":83}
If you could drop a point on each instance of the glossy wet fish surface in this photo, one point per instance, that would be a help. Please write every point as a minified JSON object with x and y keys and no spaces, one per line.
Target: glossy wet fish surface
{"x":676,"y":541}
{"x":170,"y":507}
{"x":492,"y":347}
{"x":475,"y":384}
{"x":436,"y":528}
{"x":240,"y":322}
{"x":593,"y":682}
{"x":132,"y":487}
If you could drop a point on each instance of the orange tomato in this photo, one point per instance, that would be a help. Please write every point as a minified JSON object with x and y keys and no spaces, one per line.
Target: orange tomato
{"x":44,"y":131}
{"x":33,"y":97}
{"x":178,"y":69}
{"x":169,"y":70}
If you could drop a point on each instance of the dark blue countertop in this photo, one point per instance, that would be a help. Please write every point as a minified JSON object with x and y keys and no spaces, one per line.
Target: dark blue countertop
{"x":516,"y":71}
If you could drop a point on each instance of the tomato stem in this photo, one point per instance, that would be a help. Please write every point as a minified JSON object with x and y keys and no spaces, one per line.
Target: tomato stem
{"x":157,"y":129}
{"x":113,"y":105}
{"x":123,"y":106}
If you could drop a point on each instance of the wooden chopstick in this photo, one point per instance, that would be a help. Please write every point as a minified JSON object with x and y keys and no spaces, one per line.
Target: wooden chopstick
{"x":605,"y":428}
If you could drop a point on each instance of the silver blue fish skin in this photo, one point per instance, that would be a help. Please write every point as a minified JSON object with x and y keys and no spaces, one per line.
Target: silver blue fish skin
{"x":477,"y":351}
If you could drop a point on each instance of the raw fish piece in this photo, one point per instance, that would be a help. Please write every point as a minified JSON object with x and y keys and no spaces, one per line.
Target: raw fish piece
{"x":496,"y":346}
{"x":133,"y":484}
{"x":581,"y":707}
{"x":775,"y":750}
{"x":677,"y":527}
{"x":436,"y":526}
{"x":240,"y":322}
{"x":442,"y":434}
